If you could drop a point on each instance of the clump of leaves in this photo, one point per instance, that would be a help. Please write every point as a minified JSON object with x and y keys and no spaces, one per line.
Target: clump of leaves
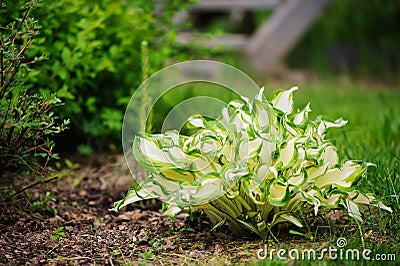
{"x":27,"y":120}
{"x":261,"y":163}
{"x":93,"y":64}
{"x":58,"y":234}
{"x":43,"y":204}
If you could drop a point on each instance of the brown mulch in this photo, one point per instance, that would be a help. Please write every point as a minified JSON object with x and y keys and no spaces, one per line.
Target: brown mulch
{"x":94,"y":235}
{"x":85,"y":231}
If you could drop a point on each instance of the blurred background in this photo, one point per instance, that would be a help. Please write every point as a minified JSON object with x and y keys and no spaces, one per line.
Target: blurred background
{"x":358,"y":38}
{"x":94,"y":54}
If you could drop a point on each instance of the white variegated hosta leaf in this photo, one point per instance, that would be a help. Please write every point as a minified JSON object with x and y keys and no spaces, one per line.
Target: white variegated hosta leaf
{"x":249,"y":148}
{"x":298,"y":179}
{"x":341,"y":177}
{"x":262,"y":172}
{"x":329,"y":156}
{"x":196,"y":121}
{"x":286,"y":217}
{"x":170,"y":209}
{"x":290,"y":218}
{"x":288,"y":155}
{"x":283,"y":100}
{"x":333,"y":200}
{"x":325,"y":125}
{"x":353,"y":210}
{"x":368,"y":199}
{"x":279,"y":195}
{"x":301,"y":117}
{"x":260,"y":95}
{"x":259,"y":164}
{"x":150,"y":150}
{"x":316,"y":171}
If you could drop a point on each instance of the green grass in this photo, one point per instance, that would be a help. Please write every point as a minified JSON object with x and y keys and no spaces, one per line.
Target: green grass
{"x":372,"y":134}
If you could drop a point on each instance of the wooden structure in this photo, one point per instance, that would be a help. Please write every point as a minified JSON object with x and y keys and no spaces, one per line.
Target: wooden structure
{"x":272,"y":40}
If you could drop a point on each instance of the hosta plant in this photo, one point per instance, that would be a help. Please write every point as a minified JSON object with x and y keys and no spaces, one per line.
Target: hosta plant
{"x":259,"y":164}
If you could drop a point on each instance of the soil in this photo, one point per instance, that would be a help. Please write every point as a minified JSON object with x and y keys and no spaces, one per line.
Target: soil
{"x":84,"y":231}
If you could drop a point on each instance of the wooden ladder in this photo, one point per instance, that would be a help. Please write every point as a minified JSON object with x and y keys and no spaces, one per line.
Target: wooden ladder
{"x":266,"y":48}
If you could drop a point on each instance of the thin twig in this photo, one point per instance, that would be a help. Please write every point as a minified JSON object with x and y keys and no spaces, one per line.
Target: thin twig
{"x":30,"y":186}
{"x":25,"y":16}
{"x":11,"y":78}
{"x":1,"y":65}
{"x":178,"y":255}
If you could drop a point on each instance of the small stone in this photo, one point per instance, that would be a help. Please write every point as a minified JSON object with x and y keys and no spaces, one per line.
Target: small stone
{"x":196,"y":254}
{"x":218,"y":248}
{"x":56,"y":221}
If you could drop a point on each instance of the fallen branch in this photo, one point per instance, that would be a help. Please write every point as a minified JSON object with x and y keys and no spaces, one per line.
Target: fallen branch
{"x":30,"y":186}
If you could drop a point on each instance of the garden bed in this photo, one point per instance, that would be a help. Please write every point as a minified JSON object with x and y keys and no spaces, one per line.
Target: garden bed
{"x":84,"y":231}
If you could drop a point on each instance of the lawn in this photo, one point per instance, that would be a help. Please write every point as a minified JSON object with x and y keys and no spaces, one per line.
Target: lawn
{"x":84,"y":231}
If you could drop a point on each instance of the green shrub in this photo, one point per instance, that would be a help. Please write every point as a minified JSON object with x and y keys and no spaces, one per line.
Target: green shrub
{"x":94,"y":59}
{"x":27,"y":120}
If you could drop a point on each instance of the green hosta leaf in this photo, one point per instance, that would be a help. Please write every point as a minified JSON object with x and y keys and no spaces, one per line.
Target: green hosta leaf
{"x":218,"y":224}
{"x":250,"y":227}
